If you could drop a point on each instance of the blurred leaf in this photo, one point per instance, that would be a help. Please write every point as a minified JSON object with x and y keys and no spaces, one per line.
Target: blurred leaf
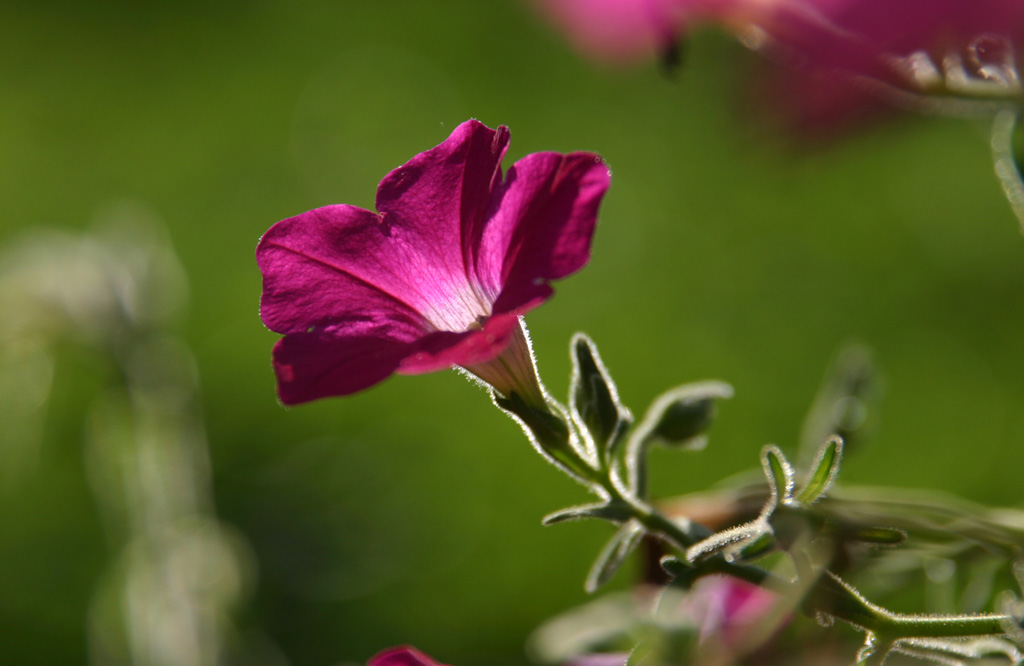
{"x":931,"y":518}
{"x":1008,"y":153}
{"x":887,"y":536}
{"x":1017,"y":143}
{"x":615,"y":552}
{"x":610,"y":620}
{"x":844,"y":402}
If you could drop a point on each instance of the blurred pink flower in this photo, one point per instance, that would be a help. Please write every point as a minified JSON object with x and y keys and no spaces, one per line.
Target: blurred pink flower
{"x":615,"y":29}
{"x":402,"y":655}
{"x":438,"y":277}
{"x":837,"y":57}
{"x":723,"y":610}
{"x":726,"y":609}
{"x":842,"y":59}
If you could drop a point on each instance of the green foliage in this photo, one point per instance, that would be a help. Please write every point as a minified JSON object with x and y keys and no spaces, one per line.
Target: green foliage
{"x":679,"y":417}
{"x":594,"y":400}
{"x":800,"y":523}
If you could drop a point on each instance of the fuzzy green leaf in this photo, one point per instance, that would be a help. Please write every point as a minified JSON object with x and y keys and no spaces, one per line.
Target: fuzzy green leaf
{"x":883,"y":536}
{"x":825,"y":469}
{"x":779,"y":473}
{"x":678,"y":417}
{"x":593,"y":398}
{"x":614,"y":511}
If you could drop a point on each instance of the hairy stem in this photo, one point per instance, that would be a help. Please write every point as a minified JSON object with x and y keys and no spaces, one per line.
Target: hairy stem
{"x":829,"y":594}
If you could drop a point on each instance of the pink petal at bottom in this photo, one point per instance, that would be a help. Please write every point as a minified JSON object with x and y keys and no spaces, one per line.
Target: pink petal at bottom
{"x":401,"y":656}
{"x":318,"y":365}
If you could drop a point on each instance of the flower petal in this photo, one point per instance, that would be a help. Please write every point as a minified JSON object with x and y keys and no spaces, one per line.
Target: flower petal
{"x":401,"y":656}
{"x":444,"y":349}
{"x":615,"y":29}
{"x":320,"y":364}
{"x":436,"y":203}
{"x":542,"y":221}
{"x":726,"y":608}
{"x":328,"y":266}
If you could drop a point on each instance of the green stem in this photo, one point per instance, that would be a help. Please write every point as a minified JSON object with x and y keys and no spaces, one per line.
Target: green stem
{"x":680,"y":533}
{"x":828,"y":594}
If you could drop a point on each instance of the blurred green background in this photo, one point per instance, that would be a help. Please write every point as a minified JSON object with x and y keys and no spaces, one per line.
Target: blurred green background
{"x":410,"y":513}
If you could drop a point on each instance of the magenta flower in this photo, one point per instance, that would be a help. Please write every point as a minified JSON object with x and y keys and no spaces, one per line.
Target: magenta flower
{"x":439,"y":276}
{"x":403,"y":655}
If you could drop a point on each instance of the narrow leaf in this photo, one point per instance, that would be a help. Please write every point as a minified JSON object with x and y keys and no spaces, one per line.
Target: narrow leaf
{"x":825,"y":469}
{"x":883,"y":536}
{"x":614,"y":511}
{"x":615,"y":552}
{"x":778,"y":472}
